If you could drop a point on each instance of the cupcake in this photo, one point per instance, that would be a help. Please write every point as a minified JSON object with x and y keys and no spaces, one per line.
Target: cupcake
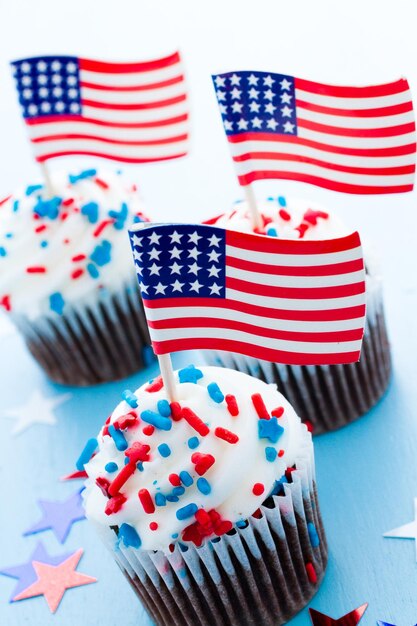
{"x":67,"y":279}
{"x":209,"y":503}
{"x":330,"y":396}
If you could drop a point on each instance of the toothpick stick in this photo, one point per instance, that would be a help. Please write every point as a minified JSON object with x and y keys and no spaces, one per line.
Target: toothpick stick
{"x":47,"y":179}
{"x":253,"y":208}
{"x":167,"y":373}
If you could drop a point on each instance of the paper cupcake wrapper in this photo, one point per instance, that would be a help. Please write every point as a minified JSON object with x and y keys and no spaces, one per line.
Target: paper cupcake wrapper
{"x":91,"y":344}
{"x":262,"y":574}
{"x":330,"y":396}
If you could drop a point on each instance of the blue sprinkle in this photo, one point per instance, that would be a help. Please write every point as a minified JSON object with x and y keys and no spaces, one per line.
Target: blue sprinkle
{"x":150,"y":417}
{"x":126,"y":461}
{"x":241,"y":523}
{"x":120,"y":216}
{"x":270,"y":199}
{"x":88,"y":451}
{"x":148,"y":355}
{"x":9,"y":235}
{"x":139,"y":466}
{"x":272,"y":232}
{"x":56,"y":302}
{"x":282,"y":201}
{"x":178,"y":491}
{"x":164,"y":450}
{"x":90,"y":210}
{"x":31,"y":188}
{"x":129,"y":536}
{"x":187,"y":511}
{"x":137,"y":219}
{"x":44,"y":244}
{"x":92,"y":270}
{"x":189,"y":374}
{"x":312,"y":533}
{"x":164,"y":408}
{"x":155,"y":482}
{"x":270,"y":453}
{"x":2,"y":251}
{"x":118,"y":438}
{"x":193,"y":443}
{"x":270,"y":429}
{"x":186,"y":478}
{"x":203,"y":485}
{"x":48,"y":208}
{"x":172,"y":498}
{"x":15,"y":206}
{"x":215,"y":393}
{"x":111,"y":467}
{"x":101,"y":254}
{"x":73,"y":178}
{"x":160,"y":499}
{"x":130,"y":398}
{"x":174,"y":536}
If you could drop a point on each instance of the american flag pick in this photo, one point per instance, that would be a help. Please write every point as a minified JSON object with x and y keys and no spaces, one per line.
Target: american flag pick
{"x":130,"y":112}
{"x":295,"y":302}
{"x":349,"y":139}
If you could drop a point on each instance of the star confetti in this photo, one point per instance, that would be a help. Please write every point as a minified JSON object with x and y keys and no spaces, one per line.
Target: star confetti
{"x":25,"y":572}
{"x":59,"y":516}
{"x":350,"y":619}
{"x":53,"y":580}
{"x":408,"y":531}
{"x":38,"y":409}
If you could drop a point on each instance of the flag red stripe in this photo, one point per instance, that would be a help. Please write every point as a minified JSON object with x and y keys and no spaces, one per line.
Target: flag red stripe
{"x":390,"y":131}
{"x":34,"y":121}
{"x":295,"y":293}
{"x":345,"y":313}
{"x":123,"y":68}
{"x":295,"y":270}
{"x":150,"y":142}
{"x":135,"y":107}
{"x":247,"y":179}
{"x":163,"y":83}
{"x":114,"y":157}
{"x":260,"y":243}
{"x":257,"y":352}
{"x":374,"y":91}
{"x":215,"y":322}
{"x":395,"y":109}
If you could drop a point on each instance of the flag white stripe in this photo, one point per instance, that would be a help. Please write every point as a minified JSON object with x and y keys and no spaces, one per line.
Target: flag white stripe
{"x":353,"y":103}
{"x":108,"y":132}
{"x":355,"y":122}
{"x":295,"y":304}
{"x":116,"y":150}
{"x":133,"y":97}
{"x":131,"y":79}
{"x":365,"y":143}
{"x":257,"y":278}
{"x":294,"y":260}
{"x":139,"y":116}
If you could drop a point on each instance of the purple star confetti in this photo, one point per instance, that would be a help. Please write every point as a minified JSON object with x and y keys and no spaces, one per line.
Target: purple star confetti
{"x":59,"y":516}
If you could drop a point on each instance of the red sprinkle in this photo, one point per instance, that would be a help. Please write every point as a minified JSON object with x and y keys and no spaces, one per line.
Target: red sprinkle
{"x":66,"y":241}
{"x":103,"y":484}
{"x":5,"y":302}
{"x":153,"y":526}
{"x":312,"y":216}
{"x":281,"y":453}
{"x":226,"y":435}
{"x":232,"y":406}
{"x":309,"y":425}
{"x":258,"y":489}
{"x":64,"y":216}
{"x":101,"y":227}
{"x":148,"y":430}
{"x":36,"y":269}
{"x":77,"y":273}
{"x":146,"y":501}
{"x":284,"y":215}
{"x":302,"y":229}
{"x":278,"y":412}
{"x":155,"y":385}
{"x":202,"y":462}
{"x":124,"y":474}
{"x":40,"y":228}
{"x":203,"y":517}
{"x":195,"y":422}
{"x":101,"y":183}
{"x":176,"y":411}
{"x":260,"y":407}
{"x":223,"y":527}
{"x":311,"y":573}
{"x":138,"y":452}
{"x":67,"y":201}
{"x":78,"y":257}
{"x":175,"y":480}
{"x":126,"y":421}
{"x":115,"y":504}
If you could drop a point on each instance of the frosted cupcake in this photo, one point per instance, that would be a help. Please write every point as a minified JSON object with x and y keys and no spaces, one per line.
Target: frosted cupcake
{"x":209,"y":503}
{"x":67,"y":279}
{"x":326,"y":397}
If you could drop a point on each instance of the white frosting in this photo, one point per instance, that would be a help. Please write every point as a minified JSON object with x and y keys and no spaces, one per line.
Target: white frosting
{"x":21,"y":246}
{"x":237,"y":468}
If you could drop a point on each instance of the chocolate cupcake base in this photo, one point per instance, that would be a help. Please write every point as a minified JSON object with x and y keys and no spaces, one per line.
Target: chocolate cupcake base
{"x":91,"y":344}
{"x":331,"y":396}
{"x":263,"y":573}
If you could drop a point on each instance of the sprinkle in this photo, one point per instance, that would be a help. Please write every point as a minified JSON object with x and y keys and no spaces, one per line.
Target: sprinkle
{"x":270,"y":429}
{"x":175,"y":480}
{"x":203,"y":518}
{"x":202,"y":462}
{"x":226,"y":435}
{"x":148,"y":430}
{"x":121,"y":478}
{"x":5,"y":302}
{"x":138,"y":452}
{"x":120,"y":216}
{"x":78,"y":257}
{"x":302,"y":229}
{"x":150,"y":417}
{"x":190,"y":374}
{"x":101,"y":227}
{"x":15,"y":206}
{"x":260,"y":407}
{"x":312,"y":533}
{"x":187,"y":511}
{"x":186,"y":478}
{"x":172,"y":498}
{"x":278,"y":412}
{"x":281,"y":453}
{"x":164,"y":408}
{"x":258,"y":489}
{"x":311,"y":573}
{"x":282,"y":201}
{"x":195,"y":422}
{"x":103,"y":484}
{"x":232,"y":405}
{"x":111,"y":467}
{"x":102,"y":183}
{"x":176,"y":411}
{"x":309,"y":425}
{"x":56,"y":302}
{"x":67,"y":202}
{"x":101,"y":254}
{"x":174,"y":535}
{"x":153,"y":526}
{"x":77,"y":273}
{"x":130,"y":398}
{"x":164,"y":450}
{"x":160,"y":499}
{"x":155,"y":385}
{"x":90,"y":210}
{"x":129,"y":536}
{"x":146,"y":501}
{"x":193,"y":443}
{"x":92,"y":270}
{"x":312,"y":216}
{"x":31,"y":188}
{"x":118,"y":438}
{"x":126,"y":421}
{"x":215,"y":393}
{"x":203,"y":485}
{"x":270,"y":454}
{"x":44,"y":244}
{"x":40,"y":228}
{"x":38,"y":269}
{"x":271,"y":231}
{"x":115,"y":504}
{"x":74,"y":178}
{"x":178,"y":491}
{"x":47,"y":208}
{"x":88,"y":451}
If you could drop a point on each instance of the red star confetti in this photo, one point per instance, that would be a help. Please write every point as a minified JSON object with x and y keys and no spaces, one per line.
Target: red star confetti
{"x":350,"y":619}
{"x":54,"y":580}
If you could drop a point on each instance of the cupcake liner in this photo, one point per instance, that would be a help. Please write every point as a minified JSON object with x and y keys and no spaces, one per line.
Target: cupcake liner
{"x":329,"y":396}
{"x":261,"y":574}
{"x":91,"y":344}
